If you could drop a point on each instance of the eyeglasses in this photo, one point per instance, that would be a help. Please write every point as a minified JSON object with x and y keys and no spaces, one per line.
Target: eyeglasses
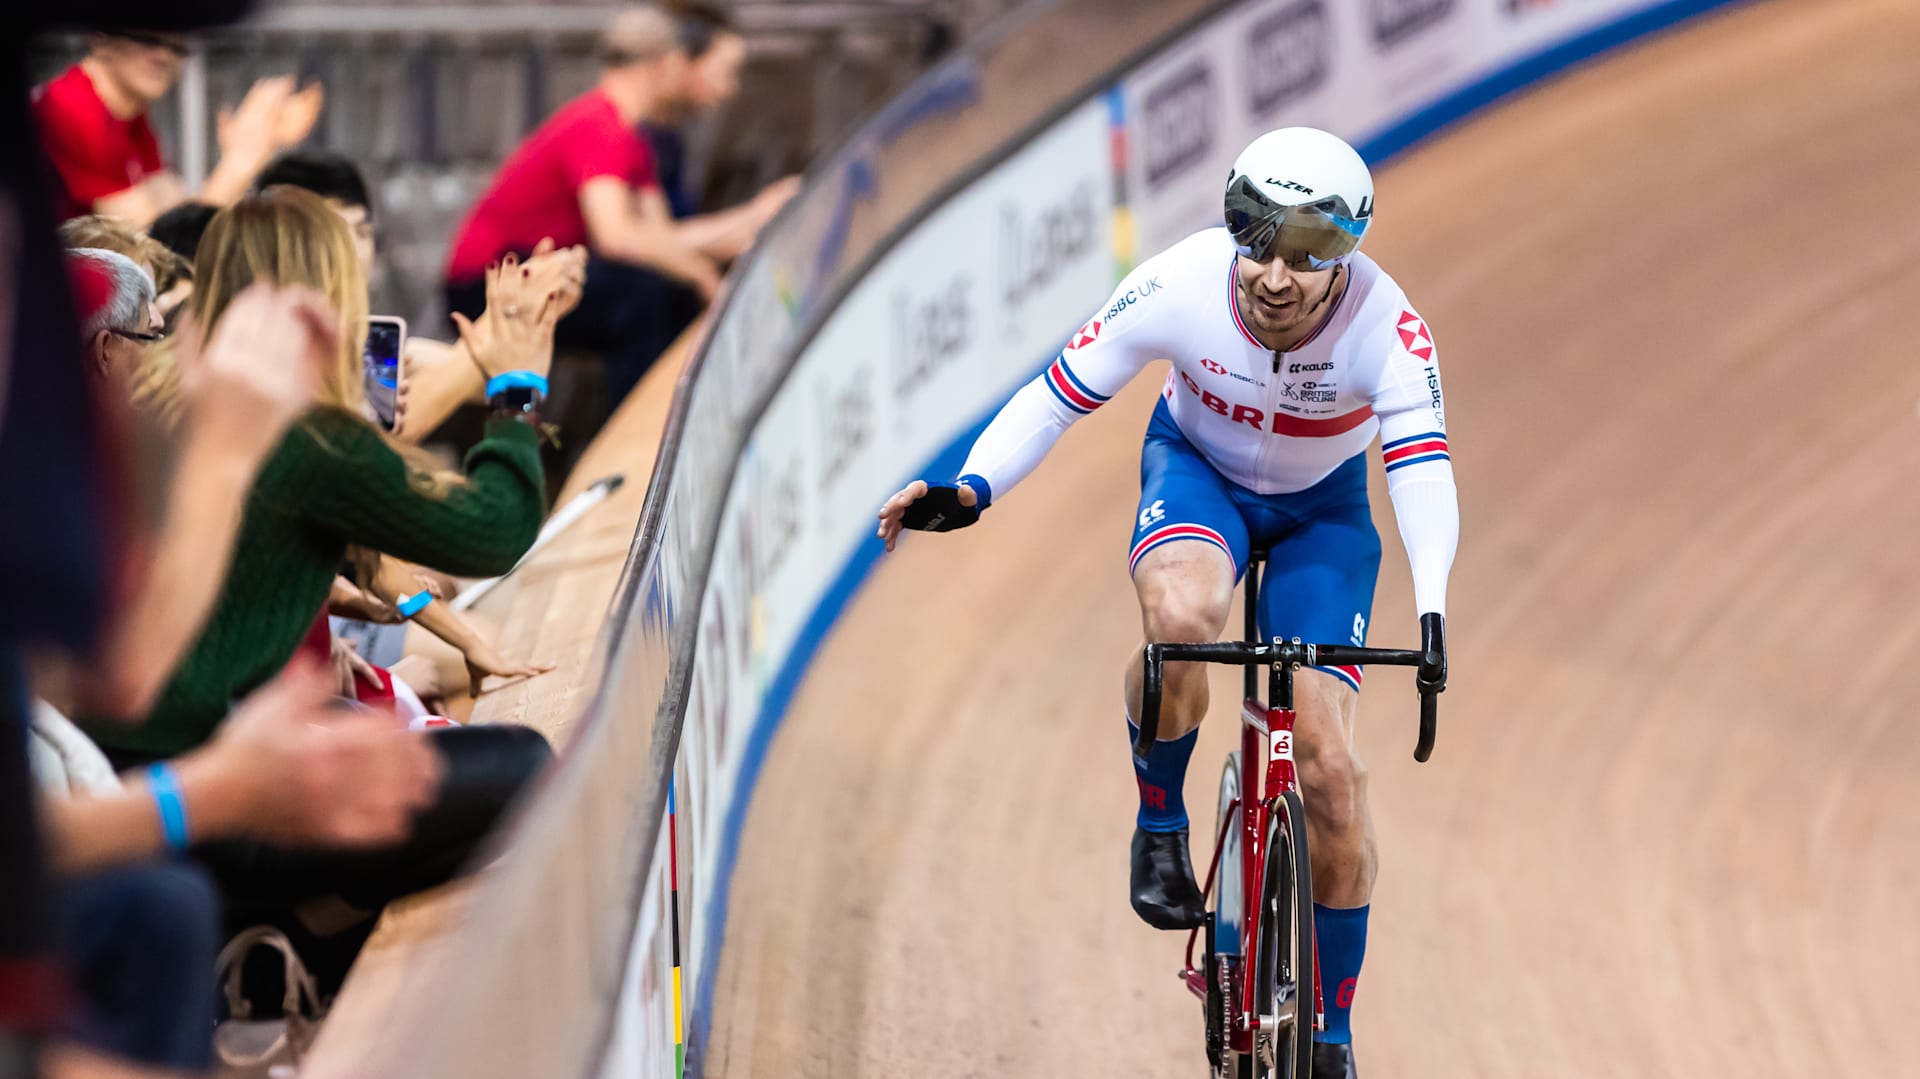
{"x":138,"y":335}
{"x":1311,"y":236}
{"x":174,"y":45}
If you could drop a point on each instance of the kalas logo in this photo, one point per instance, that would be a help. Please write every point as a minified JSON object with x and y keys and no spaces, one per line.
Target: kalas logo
{"x":1287,"y":55}
{"x":1177,"y":118}
{"x":1396,"y":20}
{"x":1215,"y":366}
{"x":1296,"y":368}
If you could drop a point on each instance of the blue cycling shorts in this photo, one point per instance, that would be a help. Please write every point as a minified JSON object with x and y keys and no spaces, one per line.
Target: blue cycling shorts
{"x":1323,"y":555}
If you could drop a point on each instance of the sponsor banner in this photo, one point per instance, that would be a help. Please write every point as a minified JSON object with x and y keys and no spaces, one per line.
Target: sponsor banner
{"x":948,"y":323}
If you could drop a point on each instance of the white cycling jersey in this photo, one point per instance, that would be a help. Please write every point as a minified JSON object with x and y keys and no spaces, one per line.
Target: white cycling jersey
{"x":1274,"y":423}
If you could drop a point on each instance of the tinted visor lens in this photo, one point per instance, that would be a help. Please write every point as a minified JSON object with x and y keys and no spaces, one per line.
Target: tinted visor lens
{"x":1314,"y":236}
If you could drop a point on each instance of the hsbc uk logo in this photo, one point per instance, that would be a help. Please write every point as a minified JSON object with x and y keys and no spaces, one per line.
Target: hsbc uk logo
{"x":1414,"y":336}
{"x":1215,"y":366}
{"x":1088,"y":335}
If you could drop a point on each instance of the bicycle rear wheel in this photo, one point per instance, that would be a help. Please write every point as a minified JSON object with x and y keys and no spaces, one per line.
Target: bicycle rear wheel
{"x":1284,"y":979}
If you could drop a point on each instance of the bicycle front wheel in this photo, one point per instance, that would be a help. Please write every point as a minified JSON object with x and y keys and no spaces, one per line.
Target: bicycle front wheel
{"x":1285,"y":967}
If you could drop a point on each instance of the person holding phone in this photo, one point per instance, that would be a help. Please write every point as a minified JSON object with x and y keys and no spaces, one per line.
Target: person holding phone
{"x":338,"y":481}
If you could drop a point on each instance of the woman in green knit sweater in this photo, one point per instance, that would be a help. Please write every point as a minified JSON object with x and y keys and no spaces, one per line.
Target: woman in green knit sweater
{"x":337,"y":481}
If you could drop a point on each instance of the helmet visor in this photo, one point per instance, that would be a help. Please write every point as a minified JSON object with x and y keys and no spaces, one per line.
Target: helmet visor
{"x":1310,"y":236}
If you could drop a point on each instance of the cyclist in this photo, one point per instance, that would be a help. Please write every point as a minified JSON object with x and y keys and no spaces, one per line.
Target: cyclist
{"x":1258,"y":441}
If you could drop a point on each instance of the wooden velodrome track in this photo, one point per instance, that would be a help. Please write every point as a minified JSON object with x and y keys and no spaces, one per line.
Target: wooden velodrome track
{"x":1670,"y":826}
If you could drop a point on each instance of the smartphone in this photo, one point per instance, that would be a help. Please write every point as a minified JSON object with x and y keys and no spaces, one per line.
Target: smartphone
{"x":386,"y":338}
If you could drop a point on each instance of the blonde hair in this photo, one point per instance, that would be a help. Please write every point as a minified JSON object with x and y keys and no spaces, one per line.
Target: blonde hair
{"x":102,"y":233}
{"x":289,"y":237}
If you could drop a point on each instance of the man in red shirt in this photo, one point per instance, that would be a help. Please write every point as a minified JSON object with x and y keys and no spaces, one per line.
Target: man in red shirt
{"x":587,"y":176}
{"x":93,"y":125}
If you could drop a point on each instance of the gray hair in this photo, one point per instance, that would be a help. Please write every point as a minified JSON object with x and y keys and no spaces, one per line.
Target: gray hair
{"x":131,"y":305}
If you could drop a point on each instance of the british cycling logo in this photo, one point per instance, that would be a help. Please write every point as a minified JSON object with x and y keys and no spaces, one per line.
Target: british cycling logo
{"x":1396,"y":20}
{"x":1287,"y":55}
{"x":1035,"y":248}
{"x":1087,"y":335}
{"x":1177,"y":117}
{"x":1134,"y":295}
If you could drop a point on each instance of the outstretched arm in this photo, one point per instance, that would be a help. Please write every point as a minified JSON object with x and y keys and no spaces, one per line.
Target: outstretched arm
{"x":1413,"y":439}
{"x":1099,"y":359}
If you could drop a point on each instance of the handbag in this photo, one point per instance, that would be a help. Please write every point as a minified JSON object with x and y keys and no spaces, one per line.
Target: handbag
{"x":249,"y":1048}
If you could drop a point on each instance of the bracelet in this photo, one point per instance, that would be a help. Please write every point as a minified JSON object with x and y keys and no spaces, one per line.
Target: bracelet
{"x":414,"y":604}
{"x":516,"y":380}
{"x":173,"y":812}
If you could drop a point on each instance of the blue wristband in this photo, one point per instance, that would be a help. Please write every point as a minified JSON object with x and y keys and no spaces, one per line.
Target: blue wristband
{"x":980,"y":488}
{"x":173,"y":812}
{"x":516,"y":380}
{"x":414,"y":604}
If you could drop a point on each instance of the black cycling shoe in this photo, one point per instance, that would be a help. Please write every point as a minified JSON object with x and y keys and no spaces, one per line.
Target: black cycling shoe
{"x":1164,"y":893}
{"x":1333,"y":1061}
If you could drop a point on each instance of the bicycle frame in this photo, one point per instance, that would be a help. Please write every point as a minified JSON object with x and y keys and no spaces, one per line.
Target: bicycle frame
{"x":1267,"y":771}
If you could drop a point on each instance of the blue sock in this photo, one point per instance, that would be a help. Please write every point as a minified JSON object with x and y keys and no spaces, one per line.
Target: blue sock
{"x":1341,"y":936}
{"x":1163,"y":807}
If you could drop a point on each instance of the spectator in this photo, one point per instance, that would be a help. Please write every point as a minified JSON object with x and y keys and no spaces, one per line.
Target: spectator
{"x":335,"y":481}
{"x":169,"y":272}
{"x":55,"y":538}
{"x":93,"y":124}
{"x":439,"y":376}
{"x":338,"y":183}
{"x":283,"y":768}
{"x":115,"y":297}
{"x":587,"y":176}
{"x":715,"y":51}
{"x":180,"y":228}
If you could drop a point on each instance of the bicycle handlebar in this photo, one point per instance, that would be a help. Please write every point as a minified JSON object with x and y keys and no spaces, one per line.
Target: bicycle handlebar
{"x":1281,"y":654}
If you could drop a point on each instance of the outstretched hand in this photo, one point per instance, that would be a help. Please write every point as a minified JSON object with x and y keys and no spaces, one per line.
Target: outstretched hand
{"x":894,"y":515}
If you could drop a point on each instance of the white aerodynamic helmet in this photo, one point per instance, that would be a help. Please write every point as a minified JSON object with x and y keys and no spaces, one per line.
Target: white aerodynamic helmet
{"x":1302,"y":195}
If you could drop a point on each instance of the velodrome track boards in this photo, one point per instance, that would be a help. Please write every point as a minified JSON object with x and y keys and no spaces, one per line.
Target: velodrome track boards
{"x":1670,"y":826}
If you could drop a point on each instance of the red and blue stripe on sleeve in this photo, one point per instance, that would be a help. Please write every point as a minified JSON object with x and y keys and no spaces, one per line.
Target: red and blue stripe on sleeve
{"x":1070,"y":390}
{"x":1415,"y":450}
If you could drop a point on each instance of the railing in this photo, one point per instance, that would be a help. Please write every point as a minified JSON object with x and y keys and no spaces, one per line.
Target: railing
{"x":933,"y":263}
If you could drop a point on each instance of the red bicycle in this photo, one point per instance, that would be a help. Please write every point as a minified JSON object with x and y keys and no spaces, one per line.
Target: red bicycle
{"x":1258,"y":964}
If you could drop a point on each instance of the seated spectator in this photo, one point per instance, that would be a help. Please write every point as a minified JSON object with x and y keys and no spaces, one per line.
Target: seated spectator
{"x":93,"y":125}
{"x":138,"y":935}
{"x":335,"y":481}
{"x":180,"y":228}
{"x":715,"y":52}
{"x":587,"y":176}
{"x":172,"y":275}
{"x":119,"y":319}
